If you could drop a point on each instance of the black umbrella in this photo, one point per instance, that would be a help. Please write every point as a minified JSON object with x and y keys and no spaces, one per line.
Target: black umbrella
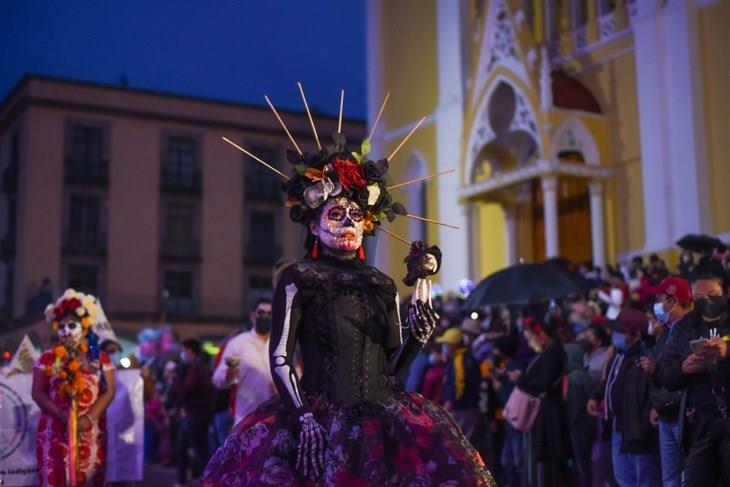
{"x":523,"y":284}
{"x":700,"y":243}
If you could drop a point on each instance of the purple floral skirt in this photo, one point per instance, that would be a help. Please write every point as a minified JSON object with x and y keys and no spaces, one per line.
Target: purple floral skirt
{"x":406,"y":441}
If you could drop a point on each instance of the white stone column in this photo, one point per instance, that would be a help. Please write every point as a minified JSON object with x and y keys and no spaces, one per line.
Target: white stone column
{"x":595,"y":189}
{"x":671,"y":122}
{"x":550,"y":212}
{"x":510,"y":233}
{"x":449,"y":119}
{"x":471,"y":216}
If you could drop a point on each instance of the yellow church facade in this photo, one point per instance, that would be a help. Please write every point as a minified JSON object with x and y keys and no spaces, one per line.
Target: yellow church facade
{"x":593,"y":130}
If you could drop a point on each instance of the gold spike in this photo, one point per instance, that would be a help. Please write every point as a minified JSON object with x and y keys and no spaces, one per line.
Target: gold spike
{"x":342,"y":104}
{"x":423,"y":178}
{"x":428,"y":220}
{"x":309,"y":114}
{"x":255,"y":158}
{"x":281,"y":122}
{"x":397,"y":237}
{"x":380,"y":113}
{"x":392,"y":154}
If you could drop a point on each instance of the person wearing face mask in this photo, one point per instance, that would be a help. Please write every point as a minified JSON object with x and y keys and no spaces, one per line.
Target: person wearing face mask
{"x":547,"y":446}
{"x":701,"y":370}
{"x":245,"y":362}
{"x":626,"y":391}
{"x":672,"y":306}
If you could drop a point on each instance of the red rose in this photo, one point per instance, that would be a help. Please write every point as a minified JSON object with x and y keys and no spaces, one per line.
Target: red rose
{"x":349,"y":173}
{"x":58,"y":311}
{"x":72,"y":304}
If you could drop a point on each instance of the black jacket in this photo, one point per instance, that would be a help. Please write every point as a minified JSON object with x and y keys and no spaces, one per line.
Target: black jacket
{"x":627,"y":391}
{"x":550,"y":435}
{"x":702,"y":392}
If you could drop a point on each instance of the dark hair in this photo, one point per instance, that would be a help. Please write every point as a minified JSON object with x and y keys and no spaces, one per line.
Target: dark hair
{"x":709,"y":268}
{"x":600,"y":333}
{"x":193,"y":345}
{"x":260,"y":301}
{"x":507,"y":344}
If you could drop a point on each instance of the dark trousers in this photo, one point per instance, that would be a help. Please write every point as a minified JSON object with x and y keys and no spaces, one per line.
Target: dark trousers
{"x":192,"y":434}
{"x":708,"y":456}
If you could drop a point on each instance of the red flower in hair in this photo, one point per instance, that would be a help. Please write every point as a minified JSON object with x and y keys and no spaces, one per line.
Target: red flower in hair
{"x":349,"y":173}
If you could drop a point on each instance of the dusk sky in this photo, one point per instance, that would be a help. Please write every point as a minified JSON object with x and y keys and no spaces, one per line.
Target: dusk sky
{"x":236,"y":50}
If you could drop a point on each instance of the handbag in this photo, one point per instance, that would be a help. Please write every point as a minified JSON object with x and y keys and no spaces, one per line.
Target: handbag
{"x":521,"y":409}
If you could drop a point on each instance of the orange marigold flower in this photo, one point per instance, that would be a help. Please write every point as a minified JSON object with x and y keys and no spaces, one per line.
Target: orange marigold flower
{"x":74,"y":365}
{"x":49,"y":371}
{"x":55,"y":326}
{"x":63,"y":375}
{"x":86,"y":322}
{"x":59,"y":351}
{"x":84,"y":347}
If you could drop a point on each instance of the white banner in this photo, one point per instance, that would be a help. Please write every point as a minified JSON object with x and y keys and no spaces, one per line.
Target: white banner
{"x":19,"y":417}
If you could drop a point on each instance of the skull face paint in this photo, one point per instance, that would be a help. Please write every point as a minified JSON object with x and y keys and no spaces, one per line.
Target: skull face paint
{"x":340,"y":226}
{"x":70,"y":331}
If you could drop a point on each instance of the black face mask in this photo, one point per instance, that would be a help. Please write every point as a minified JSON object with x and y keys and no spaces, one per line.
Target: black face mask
{"x":712,"y":307}
{"x":263,"y":325}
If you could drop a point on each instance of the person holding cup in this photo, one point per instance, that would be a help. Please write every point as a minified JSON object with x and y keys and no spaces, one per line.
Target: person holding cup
{"x":245,"y":363}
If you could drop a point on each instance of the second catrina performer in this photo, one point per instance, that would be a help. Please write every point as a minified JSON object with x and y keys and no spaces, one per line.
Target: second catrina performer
{"x":344,"y":422}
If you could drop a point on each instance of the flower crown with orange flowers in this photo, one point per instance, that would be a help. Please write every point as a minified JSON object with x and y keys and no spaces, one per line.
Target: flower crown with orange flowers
{"x":72,"y":305}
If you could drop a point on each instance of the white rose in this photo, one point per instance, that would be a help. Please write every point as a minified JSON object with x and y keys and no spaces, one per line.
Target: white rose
{"x":80,"y":311}
{"x":50,"y":315}
{"x":373,"y":194}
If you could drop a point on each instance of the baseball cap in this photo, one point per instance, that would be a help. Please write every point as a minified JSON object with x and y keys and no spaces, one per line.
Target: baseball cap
{"x":452,"y":336}
{"x":630,"y":319}
{"x":675,"y":287}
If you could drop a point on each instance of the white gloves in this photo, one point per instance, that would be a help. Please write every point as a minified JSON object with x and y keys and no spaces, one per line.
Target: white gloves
{"x":312,"y":443}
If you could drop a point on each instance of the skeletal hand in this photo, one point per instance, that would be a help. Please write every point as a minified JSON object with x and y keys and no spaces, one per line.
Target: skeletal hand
{"x":310,"y":451}
{"x":422,"y":320}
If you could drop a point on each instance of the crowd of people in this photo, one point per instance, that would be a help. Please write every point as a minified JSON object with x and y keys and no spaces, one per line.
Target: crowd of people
{"x":631,"y":378}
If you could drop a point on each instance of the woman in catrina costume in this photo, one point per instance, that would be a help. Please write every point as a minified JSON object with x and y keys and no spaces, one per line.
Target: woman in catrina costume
{"x":345,"y":422}
{"x":73,"y":384}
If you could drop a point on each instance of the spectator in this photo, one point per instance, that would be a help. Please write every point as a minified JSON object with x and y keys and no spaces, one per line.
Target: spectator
{"x":628,"y":405}
{"x":507,"y":372}
{"x":577,"y":392}
{"x":433,"y":381}
{"x":701,"y":372}
{"x":594,"y":342}
{"x":193,"y":391}
{"x":547,"y":447}
{"x":245,"y":363}
{"x":671,"y":307}
{"x":461,"y":384}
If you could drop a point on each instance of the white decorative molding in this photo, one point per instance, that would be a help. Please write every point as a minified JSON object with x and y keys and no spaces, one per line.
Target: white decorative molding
{"x":481,"y":131}
{"x":499,"y":45}
{"x":608,"y":26}
{"x":573,"y":135}
{"x":538,"y":169}
{"x":581,"y":38}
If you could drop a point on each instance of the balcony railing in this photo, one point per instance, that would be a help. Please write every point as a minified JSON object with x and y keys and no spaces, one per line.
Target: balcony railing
{"x":180,"y":249}
{"x":180,"y":181}
{"x":87,"y":172}
{"x":84,"y":243}
{"x":262,"y":255}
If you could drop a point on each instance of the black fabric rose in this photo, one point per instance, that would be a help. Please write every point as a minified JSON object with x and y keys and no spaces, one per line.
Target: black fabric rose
{"x":300,"y":214}
{"x":375,"y":170}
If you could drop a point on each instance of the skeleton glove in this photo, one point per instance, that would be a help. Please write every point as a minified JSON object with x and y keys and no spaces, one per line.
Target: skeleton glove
{"x":422,"y":319}
{"x":310,"y":451}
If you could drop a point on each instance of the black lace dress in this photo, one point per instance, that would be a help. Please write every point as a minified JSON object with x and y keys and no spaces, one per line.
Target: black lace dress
{"x":344,"y":315}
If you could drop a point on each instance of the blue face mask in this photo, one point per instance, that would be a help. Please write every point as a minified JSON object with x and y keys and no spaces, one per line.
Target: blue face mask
{"x":660,"y":314}
{"x":619,"y":341}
